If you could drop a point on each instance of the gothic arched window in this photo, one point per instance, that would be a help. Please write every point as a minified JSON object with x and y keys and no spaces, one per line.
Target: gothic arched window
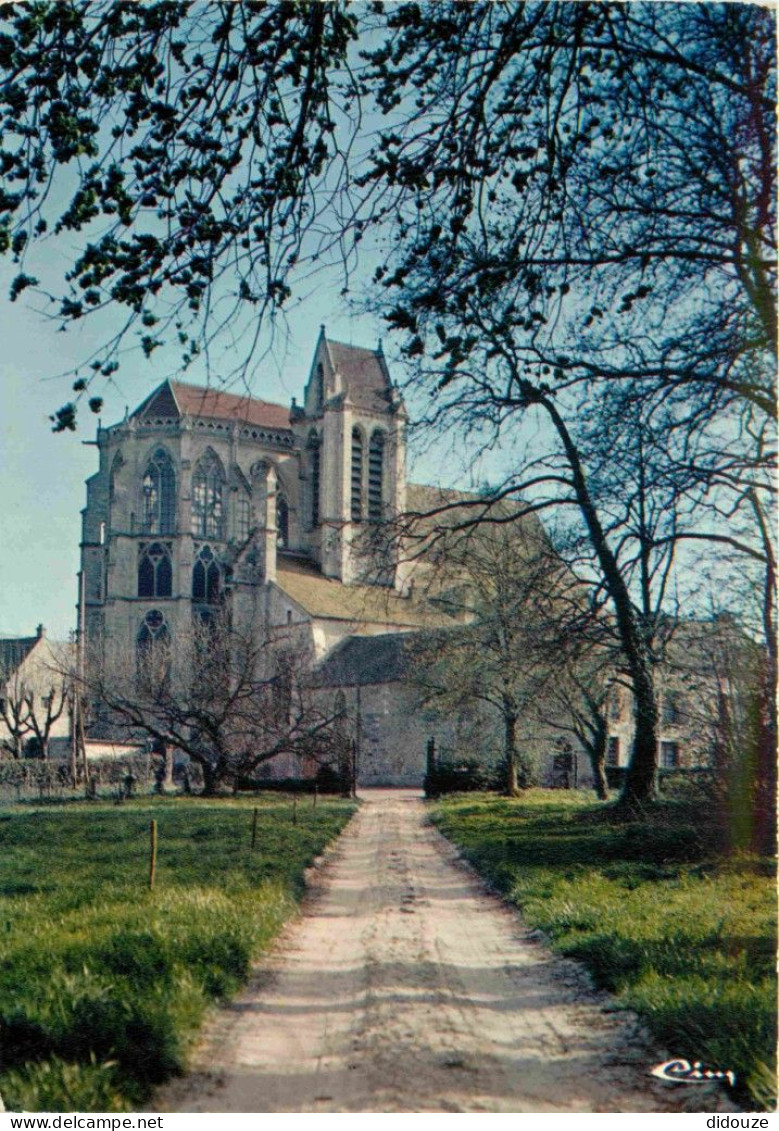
{"x":159,"y":495}
{"x":282,"y":523}
{"x":206,"y":578}
{"x":376,"y":476}
{"x":243,"y":518}
{"x":314,"y":456}
{"x":319,"y":388}
{"x":356,"y":475}
{"x":152,"y":653}
{"x":155,"y":574}
{"x":207,"y":492}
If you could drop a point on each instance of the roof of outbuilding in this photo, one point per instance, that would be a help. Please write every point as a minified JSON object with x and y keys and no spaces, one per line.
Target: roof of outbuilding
{"x":13,"y":650}
{"x":363,"y":660}
{"x":174,"y":398}
{"x":326,"y":598}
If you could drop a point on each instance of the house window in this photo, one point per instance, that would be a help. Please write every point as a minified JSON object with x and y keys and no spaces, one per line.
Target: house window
{"x":207,"y":504}
{"x":314,"y":456}
{"x":243,"y":518}
{"x":612,"y":752}
{"x":356,"y":475}
{"x":671,"y":710}
{"x":669,"y":755}
{"x":376,"y":476}
{"x":155,"y":575}
{"x":159,"y":495}
{"x":282,"y":523}
{"x":206,"y":578}
{"x":152,"y":654}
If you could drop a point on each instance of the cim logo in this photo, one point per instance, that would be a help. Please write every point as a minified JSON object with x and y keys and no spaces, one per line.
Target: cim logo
{"x":682,"y":1072}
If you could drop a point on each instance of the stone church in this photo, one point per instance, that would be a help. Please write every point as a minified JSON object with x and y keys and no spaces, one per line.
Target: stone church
{"x":200,"y":492}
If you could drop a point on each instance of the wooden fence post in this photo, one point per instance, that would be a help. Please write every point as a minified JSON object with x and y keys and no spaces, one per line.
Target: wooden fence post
{"x":254,"y":829}
{"x":152,"y":853}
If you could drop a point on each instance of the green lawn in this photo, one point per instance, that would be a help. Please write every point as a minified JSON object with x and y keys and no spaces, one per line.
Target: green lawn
{"x":104,"y":983}
{"x":686,"y":939}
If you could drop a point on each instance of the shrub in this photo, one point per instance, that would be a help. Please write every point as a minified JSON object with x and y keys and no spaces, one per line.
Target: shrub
{"x":468,"y":776}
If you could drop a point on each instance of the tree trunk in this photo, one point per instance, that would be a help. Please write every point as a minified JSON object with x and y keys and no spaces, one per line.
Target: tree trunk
{"x":597,"y":753}
{"x":641,"y":777}
{"x":510,"y":753}
{"x":764,"y":829}
{"x":167,"y":781}
{"x":211,"y":778}
{"x":164,"y":772}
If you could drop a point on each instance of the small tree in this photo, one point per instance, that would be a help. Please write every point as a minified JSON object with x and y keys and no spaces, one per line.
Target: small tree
{"x":15,"y":711}
{"x":31,"y":702}
{"x":45,"y":709}
{"x":505,"y":579}
{"x":576,"y":703}
{"x":231,"y":700}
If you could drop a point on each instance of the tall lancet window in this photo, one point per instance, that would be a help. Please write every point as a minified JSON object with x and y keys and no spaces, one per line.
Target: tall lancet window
{"x":315,"y":458}
{"x":319,"y":388}
{"x":376,"y":476}
{"x":155,"y":576}
{"x":243,"y":518}
{"x":207,"y":498}
{"x":206,"y":578}
{"x":159,"y":495}
{"x":356,"y":475}
{"x":152,"y":654}
{"x":282,"y":523}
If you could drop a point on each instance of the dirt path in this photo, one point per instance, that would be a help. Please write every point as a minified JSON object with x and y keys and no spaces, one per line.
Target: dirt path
{"x":406,"y":987}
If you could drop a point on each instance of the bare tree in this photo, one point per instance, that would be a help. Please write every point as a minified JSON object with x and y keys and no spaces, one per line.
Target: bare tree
{"x":506,"y":582}
{"x":576,"y":703}
{"x":15,"y":711}
{"x":45,"y":709}
{"x":229,"y":699}
{"x":31,"y":702}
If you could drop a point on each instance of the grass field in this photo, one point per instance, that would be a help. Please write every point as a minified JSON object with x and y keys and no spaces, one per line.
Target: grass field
{"x":103,"y":983}
{"x":686,"y":939}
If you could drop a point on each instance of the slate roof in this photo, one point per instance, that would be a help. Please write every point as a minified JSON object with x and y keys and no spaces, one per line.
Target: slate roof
{"x":174,"y":398}
{"x":323,"y":597}
{"x":13,"y":650}
{"x":363,"y":660}
{"x":365,"y":375}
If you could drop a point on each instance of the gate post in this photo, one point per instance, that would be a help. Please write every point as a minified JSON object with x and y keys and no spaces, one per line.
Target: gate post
{"x":430,"y":773}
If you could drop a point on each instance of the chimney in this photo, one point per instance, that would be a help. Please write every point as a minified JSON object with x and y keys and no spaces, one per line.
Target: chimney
{"x":40,"y":631}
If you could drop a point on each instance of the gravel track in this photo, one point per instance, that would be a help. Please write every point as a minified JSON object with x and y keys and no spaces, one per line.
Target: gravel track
{"x":406,"y":986}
